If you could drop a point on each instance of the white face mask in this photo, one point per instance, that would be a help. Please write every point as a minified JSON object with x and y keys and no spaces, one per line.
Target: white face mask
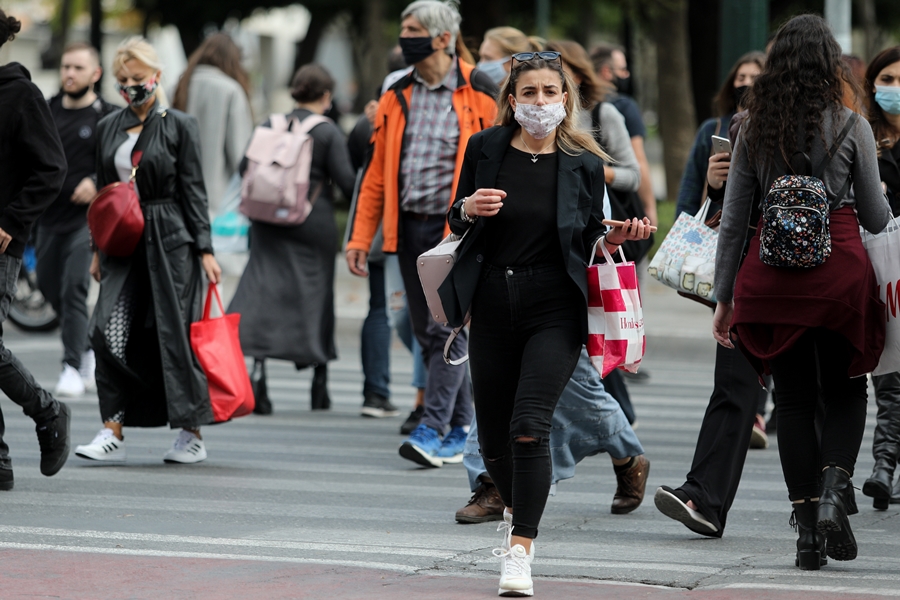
{"x":540,"y":121}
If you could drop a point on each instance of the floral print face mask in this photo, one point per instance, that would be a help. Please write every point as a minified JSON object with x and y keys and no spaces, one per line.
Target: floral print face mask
{"x":136,"y":95}
{"x":540,"y":121}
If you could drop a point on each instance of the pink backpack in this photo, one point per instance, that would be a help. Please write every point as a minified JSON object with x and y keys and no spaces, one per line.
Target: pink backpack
{"x":276,"y":184}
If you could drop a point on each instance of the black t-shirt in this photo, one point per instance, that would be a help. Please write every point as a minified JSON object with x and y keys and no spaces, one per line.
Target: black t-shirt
{"x":78,"y":133}
{"x":524,"y":232}
{"x":626,"y":105}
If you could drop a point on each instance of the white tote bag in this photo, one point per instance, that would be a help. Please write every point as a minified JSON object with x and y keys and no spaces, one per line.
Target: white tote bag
{"x":615,"y":315}
{"x":884,"y":252}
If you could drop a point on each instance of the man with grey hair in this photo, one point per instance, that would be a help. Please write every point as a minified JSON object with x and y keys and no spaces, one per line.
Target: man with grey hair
{"x":422,"y":126}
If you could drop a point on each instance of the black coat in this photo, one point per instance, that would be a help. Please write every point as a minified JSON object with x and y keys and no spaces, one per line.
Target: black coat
{"x":32,"y":162}
{"x":176,"y":232}
{"x":579,"y":216}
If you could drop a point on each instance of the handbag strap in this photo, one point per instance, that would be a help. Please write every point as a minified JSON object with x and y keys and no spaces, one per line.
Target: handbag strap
{"x":606,"y":254}
{"x":135,"y":163}
{"x":213,"y":290}
{"x":450,"y":339}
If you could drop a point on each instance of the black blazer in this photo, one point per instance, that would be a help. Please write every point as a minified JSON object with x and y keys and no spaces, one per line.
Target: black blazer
{"x":580,"y":191}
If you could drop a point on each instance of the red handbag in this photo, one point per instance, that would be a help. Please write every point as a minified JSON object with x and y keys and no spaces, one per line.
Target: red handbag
{"x":217,"y":345}
{"x":115,"y":217}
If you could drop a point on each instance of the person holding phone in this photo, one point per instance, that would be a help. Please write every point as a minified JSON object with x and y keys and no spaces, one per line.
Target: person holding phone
{"x":530,"y":195}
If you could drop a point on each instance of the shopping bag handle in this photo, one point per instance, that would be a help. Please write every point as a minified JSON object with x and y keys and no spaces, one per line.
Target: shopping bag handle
{"x":213,"y":290}
{"x":606,"y":253}
{"x":704,"y":210}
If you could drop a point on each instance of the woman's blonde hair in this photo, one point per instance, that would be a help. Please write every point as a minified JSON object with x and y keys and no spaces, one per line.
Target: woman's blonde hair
{"x":570,"y":138}
{"x":139,"y":49}
{"x":511,"y":40}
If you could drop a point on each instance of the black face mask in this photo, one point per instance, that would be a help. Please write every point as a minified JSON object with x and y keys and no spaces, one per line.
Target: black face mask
{"x":623,"y":85}
{"x":416,"y":49}
{"x":740,"y":93}
{"x":79,"y":94}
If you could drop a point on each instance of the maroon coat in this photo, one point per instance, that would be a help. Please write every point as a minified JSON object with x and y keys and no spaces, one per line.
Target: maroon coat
{"x":774,"y":306}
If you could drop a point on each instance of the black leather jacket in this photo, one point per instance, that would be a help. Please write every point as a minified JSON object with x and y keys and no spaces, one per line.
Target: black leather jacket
{"x":170,"y":166}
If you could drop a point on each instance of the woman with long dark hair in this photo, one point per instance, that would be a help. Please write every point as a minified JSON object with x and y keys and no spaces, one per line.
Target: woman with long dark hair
{"x":883,"y":93}
{"x":534,"y":215}
{"x":286,"y":294}
{"x":147,"y":375}
{"x":819,"y":327}
{"x":215,"y":88}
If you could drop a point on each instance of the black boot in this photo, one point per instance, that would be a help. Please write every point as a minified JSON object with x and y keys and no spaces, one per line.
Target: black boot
{"x":319,"y":390}
{"x":263,"y":405}
{"x":835,"y":504}
{"x":811,"y":543}
{"x":878,"y":486}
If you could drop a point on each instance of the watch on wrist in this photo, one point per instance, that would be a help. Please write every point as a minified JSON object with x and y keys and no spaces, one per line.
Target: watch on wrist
{"x":464,"y":214}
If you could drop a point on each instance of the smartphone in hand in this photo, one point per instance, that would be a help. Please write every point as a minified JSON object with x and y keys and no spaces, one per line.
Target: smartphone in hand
{"x":614,"y":223}
{"x":720,"y":145}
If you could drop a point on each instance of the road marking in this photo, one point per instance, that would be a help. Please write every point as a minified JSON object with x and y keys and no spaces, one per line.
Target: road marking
{"x":209,"y":555}
{"x":213,"y":541}
{"x":853,"y":591}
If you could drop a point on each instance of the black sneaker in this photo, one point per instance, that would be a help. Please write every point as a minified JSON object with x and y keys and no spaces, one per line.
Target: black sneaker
{"x":6,"y":479}
{"x":53,"y":437}
{"x":378,"y":406}
{"x":412,"y":421}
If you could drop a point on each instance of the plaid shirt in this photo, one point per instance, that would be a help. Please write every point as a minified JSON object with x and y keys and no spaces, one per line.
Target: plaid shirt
{"x":430,"y":144}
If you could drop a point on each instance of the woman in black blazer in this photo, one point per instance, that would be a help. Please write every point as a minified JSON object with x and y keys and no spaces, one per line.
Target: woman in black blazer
{"x":531,"y":190}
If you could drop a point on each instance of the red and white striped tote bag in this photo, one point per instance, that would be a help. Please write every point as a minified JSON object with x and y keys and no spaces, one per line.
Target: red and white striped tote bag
{"x":615,"y":315}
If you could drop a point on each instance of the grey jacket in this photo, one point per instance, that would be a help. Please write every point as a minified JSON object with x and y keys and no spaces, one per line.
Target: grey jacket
{"x":222,"y":110}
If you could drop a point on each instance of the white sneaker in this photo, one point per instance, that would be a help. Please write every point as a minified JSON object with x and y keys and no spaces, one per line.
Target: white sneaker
{"x":106,"y":446}
{"x":86,"y":370}
{"x":70,"y":384}
{"x":188,"y":449}
{"x":515,"y":571}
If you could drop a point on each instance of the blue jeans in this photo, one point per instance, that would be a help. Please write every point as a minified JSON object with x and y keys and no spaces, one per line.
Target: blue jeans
{"x":375,"y":337}
{"x":398,"y":316}
{"x":587,"y":421}
{"x":15,"y":380}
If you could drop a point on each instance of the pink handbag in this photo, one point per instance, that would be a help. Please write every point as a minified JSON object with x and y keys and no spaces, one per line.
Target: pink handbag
{"x":434,"y":266}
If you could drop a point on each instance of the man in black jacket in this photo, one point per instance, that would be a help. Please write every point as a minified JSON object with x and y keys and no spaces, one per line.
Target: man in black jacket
{"x":32,"y":171}
{"x":62,"y":239}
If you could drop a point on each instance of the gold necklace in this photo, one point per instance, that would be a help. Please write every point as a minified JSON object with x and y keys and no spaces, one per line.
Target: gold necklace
{"x":533,"y":154}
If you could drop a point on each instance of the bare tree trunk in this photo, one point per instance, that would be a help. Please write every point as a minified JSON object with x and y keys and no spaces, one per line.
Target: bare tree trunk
{"x":370,"y":52}
{"x":53,"y":54}
{"x":677,"y":120}
{"x":870,"y":26}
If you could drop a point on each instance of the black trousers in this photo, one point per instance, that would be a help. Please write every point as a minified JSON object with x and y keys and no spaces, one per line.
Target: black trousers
{"x":15,"y":380}
{"x":63,"y":265}
{"x":724,"y":436}
{"x":523,"y":347}
{"x":819,"y":358}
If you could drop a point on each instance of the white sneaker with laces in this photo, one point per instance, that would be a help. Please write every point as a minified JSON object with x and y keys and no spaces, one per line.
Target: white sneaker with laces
{"x":515,"y":571}
{"x":70,"y":384}
{"x":187,"y":449}
{"x":105,"y":446}
{"x":86,"y":371}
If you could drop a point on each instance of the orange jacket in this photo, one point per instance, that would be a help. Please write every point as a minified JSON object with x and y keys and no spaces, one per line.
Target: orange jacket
{"x":379,"y":196}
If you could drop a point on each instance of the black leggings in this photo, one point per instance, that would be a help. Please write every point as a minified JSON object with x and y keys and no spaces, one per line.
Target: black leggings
{"x":524,"y":343}
{"x":818,"y":360}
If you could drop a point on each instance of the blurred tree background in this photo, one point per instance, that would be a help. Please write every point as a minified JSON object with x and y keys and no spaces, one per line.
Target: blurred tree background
{"x":675,"y":47}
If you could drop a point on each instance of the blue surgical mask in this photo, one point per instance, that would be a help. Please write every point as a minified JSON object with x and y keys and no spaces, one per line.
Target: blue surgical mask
{"x":888,"y":98}
{"x":494,"y":69}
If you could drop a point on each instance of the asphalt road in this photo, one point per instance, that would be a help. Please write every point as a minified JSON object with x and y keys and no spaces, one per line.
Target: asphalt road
{"x":320,"y":505}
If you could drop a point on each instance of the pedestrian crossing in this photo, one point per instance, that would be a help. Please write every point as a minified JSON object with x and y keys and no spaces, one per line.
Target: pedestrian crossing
{"x":329,"y":488}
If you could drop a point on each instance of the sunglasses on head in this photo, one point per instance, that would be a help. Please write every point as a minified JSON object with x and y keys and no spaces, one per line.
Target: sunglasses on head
{"x":544,"y":55}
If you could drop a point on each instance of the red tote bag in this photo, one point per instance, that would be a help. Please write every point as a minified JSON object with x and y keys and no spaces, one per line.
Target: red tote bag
{"x":115,"y":218}
{"x":217,"y":345}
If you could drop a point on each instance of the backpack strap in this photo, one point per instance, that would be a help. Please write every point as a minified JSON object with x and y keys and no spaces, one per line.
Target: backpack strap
{"x":820,"y":170}
{"x":278,"y":122}
{"x":597,"y":125}
{"x":834,"y":148}
{"x":307,"y":124}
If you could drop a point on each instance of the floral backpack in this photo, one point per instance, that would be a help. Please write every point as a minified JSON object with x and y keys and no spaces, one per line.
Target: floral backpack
{"x":795,"y":213}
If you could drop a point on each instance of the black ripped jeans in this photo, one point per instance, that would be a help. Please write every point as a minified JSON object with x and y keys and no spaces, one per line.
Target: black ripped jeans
{"x":524,"y":343}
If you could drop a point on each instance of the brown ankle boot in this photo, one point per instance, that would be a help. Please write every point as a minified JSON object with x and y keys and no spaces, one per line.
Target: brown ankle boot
{"x":485,"y":505}
{"x":631,"y":483}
